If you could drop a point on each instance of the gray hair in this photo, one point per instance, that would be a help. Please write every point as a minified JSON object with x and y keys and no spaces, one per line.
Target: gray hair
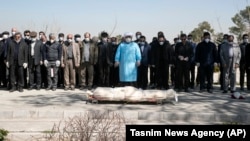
{"x":52,"y":35}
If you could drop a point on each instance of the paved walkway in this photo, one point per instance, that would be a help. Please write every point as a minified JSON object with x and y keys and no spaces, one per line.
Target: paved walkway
{"x":33,"y":112}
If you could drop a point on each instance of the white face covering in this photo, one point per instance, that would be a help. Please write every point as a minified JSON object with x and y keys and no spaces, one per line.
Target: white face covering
{"x":13,"y":33}
{"x":128,"y":40}
{"x":161,"y":43}
{"x":207,"y":40}
{"x":138,"y":36}
{"x":69,"y":40}
{"x":87,"y":39}
{"x":33,"y":39}
{"x":61,"y":38}
{"x":52,"y":41}
{"x":78,"y":39}
{"x":5,"y":36}
{"x":245,"y":40}
{"x":1,"y":39}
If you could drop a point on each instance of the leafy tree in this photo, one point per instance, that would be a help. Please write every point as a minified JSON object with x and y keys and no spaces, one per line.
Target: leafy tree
{"x":197,"y":33}
{"x":242,"y":23}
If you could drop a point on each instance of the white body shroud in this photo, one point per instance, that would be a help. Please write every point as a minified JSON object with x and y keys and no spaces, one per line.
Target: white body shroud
{"x":133,"y":94}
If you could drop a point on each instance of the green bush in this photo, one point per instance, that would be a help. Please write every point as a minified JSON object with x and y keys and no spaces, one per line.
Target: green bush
{"x":3,"y":134}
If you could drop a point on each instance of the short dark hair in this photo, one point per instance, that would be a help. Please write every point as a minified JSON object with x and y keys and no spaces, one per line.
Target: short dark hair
{"x":183,"y":35}
{"x":77,"y":35}
{"x":161,"y":36}
{"x":60,"y":35}
{"x":104,"y":34}
{"x":26,"y":31}
{"x":244,"y":35}
{"x":206,"y":34}
{"x":190,"y":35}
{"x":41,"y":32}
{"x":142,"y":37}
{"x":6,"y":32}
{"x":1,"y":35}
{"x":230,"y":36}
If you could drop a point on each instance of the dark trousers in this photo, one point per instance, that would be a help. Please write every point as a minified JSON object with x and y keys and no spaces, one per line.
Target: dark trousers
{"x":44,"y":76}
{"x":152,"y":75}
{"x":16,"y":75}
{"x":221,"y":77}
{"x":243,"y":71}
{"x":114,"y":76}
{"x":173,"y":73}
{"x":34,"y":74}
{"x":182,"y":75}
{"x":142,"y":80}
{"x":60,"y":76}
{"x":96,"y":75}
{"x":192,"y":74}
{"x":206,"y":73}
{"x":162,"y":76}
{"x":3,"y":73}
{"x":52,"y":69}
{"x":123,"y":84}
{"x":103,"y":74}
{"x":25,"y":71}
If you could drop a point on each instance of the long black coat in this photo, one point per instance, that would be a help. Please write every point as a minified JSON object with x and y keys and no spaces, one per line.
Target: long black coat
{"x":22,"y":53}
{"x":162,"y":54}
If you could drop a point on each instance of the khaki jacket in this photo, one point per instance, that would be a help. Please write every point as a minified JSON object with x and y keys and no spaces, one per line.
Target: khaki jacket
{"x":76,"y":54}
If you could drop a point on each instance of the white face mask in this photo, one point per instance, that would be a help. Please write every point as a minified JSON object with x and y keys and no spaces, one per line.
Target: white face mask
{"x":138,"y":36}
{"x":52,"y":41}
{"x":161,"y":43}
{"x":61,"y":38}
{"x":178,"y":41}
{"x":78,"y":39}
{"x":33,"y":39}
{"x":128,"y":40}
{"x":207,"y":40}
{"x":69,"y":40}
{"x":40,"y":36}
{"x":1,"y":39}
{"x":87,"y":39}
{"x":27,"y":37}
{"x":13,"y":33}
{"x":245,"y":40}
{"x":5,"y":36}
{"x":105,"y":39}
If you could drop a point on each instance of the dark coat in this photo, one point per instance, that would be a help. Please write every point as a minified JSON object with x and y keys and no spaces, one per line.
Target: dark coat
{"x":22,"y":53}
{"x":162,"y":54}
{"x":38,"y":53}
{"x":145,"y":54}
{"x":206,"y":53}
{"x":247,"y":57}
{"x":184,"y":50}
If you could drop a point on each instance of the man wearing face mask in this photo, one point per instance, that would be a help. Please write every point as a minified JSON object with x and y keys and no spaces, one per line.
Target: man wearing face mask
{"x":104,"y":62}
{"x":114,"y":71}
{"x":41,"y":34}
{"x":44,"y":75}
{"x":183,"y":53}
{"x":70,"y":61}
{"x":27,"y":40}
{"x":230,"y":56}
{"x":35,"y":53}
{"x":225,"y":36}
{"x":77,"y":39}
{"x":17,"y":61}
{"x":89,"y":57}
{"x":162,"y":58}
{"x":192,"y":65}
{"x":243,"y":68}
{"x":60,"y":69}
{"x":138,"y":34}
{"x":52,"y":53}
{"x":152,"y":78}
{"x":206,"y":58}
{"x":128,"y":58}
{"x":142,"y":81}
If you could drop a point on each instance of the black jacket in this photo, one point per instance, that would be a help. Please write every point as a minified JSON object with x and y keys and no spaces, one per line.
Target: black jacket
{"x":247,"y":57}
{"x":161,"y":54}
{"x":206,"y":53}
{"x":22,"y":52}
{"x":183,"y":50}
{"x":38,"y":53}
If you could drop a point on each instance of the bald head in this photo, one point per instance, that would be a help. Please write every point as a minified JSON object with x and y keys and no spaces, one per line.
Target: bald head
{"x":70,"y":36}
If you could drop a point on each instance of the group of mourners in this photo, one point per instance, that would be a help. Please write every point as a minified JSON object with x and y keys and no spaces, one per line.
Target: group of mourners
{"x":33,"y":61}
